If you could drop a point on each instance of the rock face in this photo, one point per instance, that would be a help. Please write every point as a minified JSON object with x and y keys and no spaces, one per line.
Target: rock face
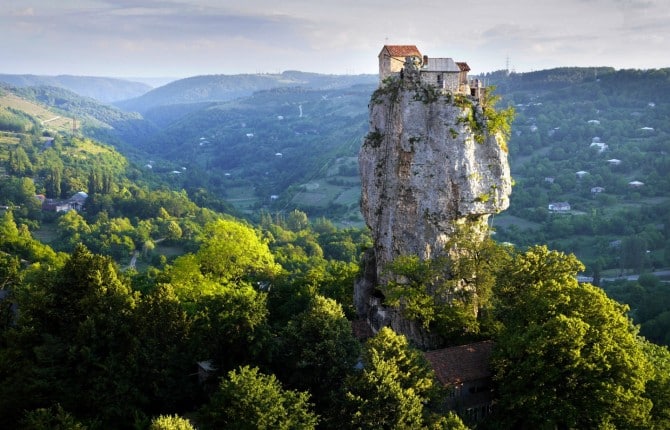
{"x":428,"y":164}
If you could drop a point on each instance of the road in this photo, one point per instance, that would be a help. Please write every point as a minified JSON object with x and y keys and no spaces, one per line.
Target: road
{"x":658,"y":273}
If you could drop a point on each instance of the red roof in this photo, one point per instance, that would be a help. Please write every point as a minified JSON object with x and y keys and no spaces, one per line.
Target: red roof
{"x":463,"y":66}
{"x":401,"y":50}
{"x":463,"y":363}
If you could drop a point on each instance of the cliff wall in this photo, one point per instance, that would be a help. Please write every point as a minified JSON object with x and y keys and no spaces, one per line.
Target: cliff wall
{"x":428,"y":164}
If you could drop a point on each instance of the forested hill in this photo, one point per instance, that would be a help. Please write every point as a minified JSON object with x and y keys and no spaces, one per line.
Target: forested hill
{"x":218,"y":88}
{"x":100,"y":88}
{"x":632,"y":83}
{"x":95,"y":119}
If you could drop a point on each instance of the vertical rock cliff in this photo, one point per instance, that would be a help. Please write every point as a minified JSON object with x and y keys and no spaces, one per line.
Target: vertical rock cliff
{"x":429,"y":163}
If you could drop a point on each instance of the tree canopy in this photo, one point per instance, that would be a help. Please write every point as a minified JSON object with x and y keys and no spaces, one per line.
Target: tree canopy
{"x":568,"y":356}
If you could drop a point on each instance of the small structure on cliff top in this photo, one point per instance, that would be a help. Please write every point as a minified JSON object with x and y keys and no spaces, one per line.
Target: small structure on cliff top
{"x":444,"y":73}
{"x":429,"y":164}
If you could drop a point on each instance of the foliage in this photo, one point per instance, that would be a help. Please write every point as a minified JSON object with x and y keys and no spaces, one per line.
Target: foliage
{"x":317,"y":349}
{"x":17,"y":241}
{"x":232,"y":251}
{"x":498,"y":121}
{"x":658,"y":386}
{"x":649,"y":300}
{"x":393,"y":387}
{"x":170,"y":422}
{"x":49,"y":419}
{"x":248,"y":399}
{"x":229,"y":328}
{"x":450,"y":295}
{"x":567,"y":356}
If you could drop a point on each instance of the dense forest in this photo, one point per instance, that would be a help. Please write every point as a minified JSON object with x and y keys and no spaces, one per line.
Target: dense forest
{"x":160,"y":305}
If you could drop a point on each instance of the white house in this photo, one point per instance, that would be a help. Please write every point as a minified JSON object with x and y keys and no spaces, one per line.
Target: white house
{"x":559,"y":207}
{"x":602,"y":146}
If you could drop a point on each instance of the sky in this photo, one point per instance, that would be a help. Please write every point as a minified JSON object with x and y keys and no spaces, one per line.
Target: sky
{"x":181,"y":38}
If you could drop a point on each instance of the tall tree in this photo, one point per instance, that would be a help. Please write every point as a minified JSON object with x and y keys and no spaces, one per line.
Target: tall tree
{"x":317,"y":349}
{"x":250,"y":400}
{"x":74,"y":342}
{"x":568,"y":356}
{"x":232,"y":251}
{"x":392,"y":388}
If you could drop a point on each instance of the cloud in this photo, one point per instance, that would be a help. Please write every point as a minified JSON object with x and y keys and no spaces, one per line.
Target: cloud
{"x":29,"y":11}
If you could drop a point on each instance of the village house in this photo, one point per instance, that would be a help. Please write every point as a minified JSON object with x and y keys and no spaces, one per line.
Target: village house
{"x":443,"y":73}
{"x":559,"y":207}
{"x":613,"y":162}
{"x":76,"y":202}
{"x":602,"y":146}
{"x":465,"y":371}
{"x":597,"y":190}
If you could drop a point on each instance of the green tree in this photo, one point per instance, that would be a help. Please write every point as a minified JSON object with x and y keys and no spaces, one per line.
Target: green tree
{"x":250,"y":400}
{"x":19,"y":163}
{"x":317,"y":349}
{"x":53,"y":180}
{"x":164,"y":355}
{"x":658,"y":387}
{"x":170,"y":230}
{"x":74,"y":342}
{"x":230,"y":327}
{"x":297,"y":220}
{"x":633,"y":253}
{"x":568,"y":356}
{"x":393,"y":387}
{"x":50,"y":418}
{"x":232,"y":251}
{"x":171,"y":422}
{"x":450,"y":295}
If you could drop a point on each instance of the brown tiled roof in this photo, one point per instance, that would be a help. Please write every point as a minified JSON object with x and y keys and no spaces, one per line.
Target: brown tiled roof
{"x":463,"y":66}
{"x":401,"y":50}
{"x":463,"y":363}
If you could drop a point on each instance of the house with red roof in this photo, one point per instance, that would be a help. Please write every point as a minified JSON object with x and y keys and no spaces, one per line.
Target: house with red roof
{"x":443,"y":73}
{"x":392,"y":59}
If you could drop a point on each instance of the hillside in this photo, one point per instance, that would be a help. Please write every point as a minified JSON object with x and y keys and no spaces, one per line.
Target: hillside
{"x":218,"y":88}
{"x":98,"y":120}
{"x":279,"y":149}
{"x":100,"y":88}
{"x":596,"y":139}
{"x":18,"y":114}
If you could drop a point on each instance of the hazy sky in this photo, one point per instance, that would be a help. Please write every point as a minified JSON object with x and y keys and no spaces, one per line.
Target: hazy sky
{"x":182,"y":38}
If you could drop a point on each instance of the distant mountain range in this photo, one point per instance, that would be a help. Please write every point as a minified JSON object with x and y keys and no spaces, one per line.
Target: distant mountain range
{"x":105,"y":90}
{"x":221,"y":88}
